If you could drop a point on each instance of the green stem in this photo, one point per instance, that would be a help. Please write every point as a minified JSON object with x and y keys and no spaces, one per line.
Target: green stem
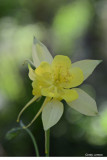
{"x":32,"y":137}
{"x":47,"y":142}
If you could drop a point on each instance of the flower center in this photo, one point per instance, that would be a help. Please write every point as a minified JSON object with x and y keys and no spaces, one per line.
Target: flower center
{"x":60,"y":77}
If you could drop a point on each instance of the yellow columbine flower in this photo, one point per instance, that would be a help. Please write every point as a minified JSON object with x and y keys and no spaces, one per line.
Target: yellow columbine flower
{"x":55,"y":79}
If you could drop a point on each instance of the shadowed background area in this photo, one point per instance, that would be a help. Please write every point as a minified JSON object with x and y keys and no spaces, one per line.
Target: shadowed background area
{"x":76,"y":28}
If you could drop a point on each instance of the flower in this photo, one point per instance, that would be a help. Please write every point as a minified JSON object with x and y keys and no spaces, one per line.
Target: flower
{"x":56,"y":79}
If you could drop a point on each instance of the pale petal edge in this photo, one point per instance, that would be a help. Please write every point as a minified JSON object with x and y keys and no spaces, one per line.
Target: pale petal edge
{"x":40,"y":56}
{"x":52,"y":113}
{"x":87,"y":66}
{"x":84,"y":104}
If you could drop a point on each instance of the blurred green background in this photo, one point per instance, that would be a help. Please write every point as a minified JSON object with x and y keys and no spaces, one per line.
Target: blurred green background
{"x":76,"y":28}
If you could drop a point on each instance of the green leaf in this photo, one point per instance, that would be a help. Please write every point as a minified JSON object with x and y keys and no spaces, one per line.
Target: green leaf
{"x":13,"y":133}
{"x":40,"y":53}
{"x":87,"y":66}
{"x":51,"y":113}
{"x":84,"y":104}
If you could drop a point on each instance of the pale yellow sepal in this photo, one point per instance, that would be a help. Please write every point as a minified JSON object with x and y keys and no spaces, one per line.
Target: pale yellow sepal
{"x":87,"y":66}
{"x":84,"y":104}
{"x":51,"y":113}
{"x":40,"y":53}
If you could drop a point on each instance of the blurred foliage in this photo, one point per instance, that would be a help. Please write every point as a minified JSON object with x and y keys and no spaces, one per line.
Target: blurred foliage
{"x":16,"y":45}
{"x":77,"y":28}
{"x":71,"y":22}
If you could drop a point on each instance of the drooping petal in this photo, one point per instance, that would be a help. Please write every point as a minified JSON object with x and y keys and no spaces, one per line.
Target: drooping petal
{"x":74,"y":79}
{"x":69,"y":95}
{"x":31,"y":74}
{"x":51,"y":113}
{"x":40,"y":53}
{"x":87,"y":66}
{"x":84,"y":104}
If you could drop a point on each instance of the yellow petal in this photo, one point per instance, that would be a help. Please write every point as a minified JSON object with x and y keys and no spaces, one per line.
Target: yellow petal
{"x":50,"y":91}
{"x":61,"y":61}
{"x":43,"y":74}
{"x":36,"y":88}
{"x":60,"y":67}
{"x":43,"y":68}
{"x":76,"y":77}
{"x":31,"y":74}
{"x":69,"y":95}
